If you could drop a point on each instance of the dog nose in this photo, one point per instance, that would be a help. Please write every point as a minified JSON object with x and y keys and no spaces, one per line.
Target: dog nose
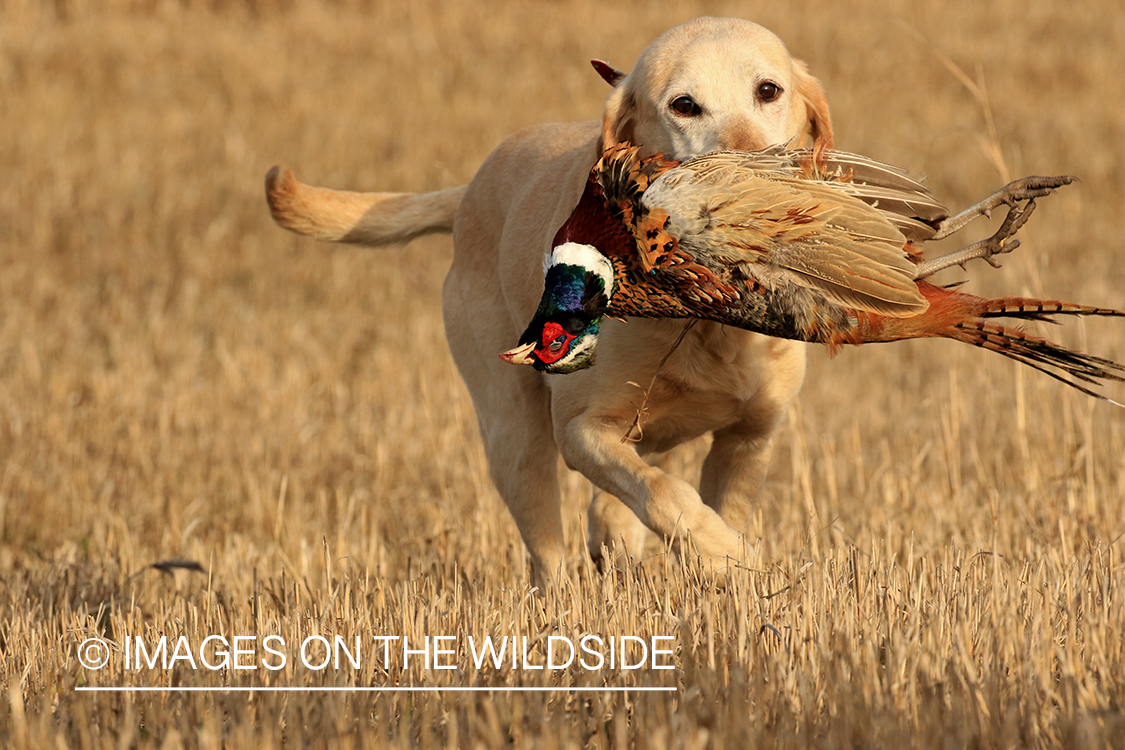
{"x":743,"y":136}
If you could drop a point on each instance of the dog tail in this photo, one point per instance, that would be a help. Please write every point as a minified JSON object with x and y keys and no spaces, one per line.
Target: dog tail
{"x":370,"y":219}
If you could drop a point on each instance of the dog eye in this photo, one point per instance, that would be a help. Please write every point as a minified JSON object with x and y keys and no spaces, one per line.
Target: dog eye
{"x":686,"y":106}
{"x":769,"y":91}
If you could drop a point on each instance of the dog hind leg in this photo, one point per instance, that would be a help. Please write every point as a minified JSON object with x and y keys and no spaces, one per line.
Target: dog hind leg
{"x":736,"y":465}
{"x":612,"y":527}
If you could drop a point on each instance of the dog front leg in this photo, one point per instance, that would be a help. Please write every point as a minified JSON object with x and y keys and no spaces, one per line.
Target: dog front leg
{"x":664,"y":503}
{"x":610,"y":524}
{"x":527,"y":480}
{"x":514,"y":412}
{"x":514,"y":416}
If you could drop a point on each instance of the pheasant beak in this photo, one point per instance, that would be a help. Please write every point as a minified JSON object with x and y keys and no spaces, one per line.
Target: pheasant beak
{"x":521,"y":355}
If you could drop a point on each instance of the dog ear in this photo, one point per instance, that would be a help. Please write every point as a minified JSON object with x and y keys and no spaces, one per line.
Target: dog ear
{"x":816,"y":107}
{"x":610,"y":74}
{"x":620,"y":113}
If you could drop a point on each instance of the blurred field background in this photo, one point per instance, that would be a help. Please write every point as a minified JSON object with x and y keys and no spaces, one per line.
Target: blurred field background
{"x":937,"y":559}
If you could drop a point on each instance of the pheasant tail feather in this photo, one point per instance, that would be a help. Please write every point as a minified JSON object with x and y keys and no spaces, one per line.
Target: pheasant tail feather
{"x":968,"y":319}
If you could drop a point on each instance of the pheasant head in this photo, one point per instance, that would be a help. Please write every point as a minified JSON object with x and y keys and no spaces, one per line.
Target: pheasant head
{"x":594,"y":254}
{"x":562,"y":337}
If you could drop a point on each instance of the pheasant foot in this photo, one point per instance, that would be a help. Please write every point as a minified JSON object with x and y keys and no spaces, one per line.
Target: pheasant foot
{"x":1014,"y":192}
{"x":1000,"y":242}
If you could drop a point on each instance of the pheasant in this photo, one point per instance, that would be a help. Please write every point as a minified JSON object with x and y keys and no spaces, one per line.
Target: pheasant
{"x":822,"y":248}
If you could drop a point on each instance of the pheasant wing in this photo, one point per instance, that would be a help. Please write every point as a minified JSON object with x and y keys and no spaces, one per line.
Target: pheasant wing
{"x":726,"y":215}
{"x":902,"y":200}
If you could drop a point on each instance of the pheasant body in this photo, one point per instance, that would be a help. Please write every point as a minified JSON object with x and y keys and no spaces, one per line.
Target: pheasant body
{"x":784,"y":244}
{"x":685,"y":241}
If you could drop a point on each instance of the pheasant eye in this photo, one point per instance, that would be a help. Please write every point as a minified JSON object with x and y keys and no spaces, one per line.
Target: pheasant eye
{"x":685,"y":106}
{"x":555,"y":343}
{"x":768,"y":91}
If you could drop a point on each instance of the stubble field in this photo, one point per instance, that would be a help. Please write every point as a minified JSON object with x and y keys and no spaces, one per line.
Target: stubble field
{"x":937,"y":555}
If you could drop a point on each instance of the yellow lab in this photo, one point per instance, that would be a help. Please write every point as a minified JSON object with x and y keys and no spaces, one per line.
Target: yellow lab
{"x":712,"y":83}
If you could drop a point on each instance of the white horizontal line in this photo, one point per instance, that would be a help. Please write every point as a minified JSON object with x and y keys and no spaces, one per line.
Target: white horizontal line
{"x":517,"y":689}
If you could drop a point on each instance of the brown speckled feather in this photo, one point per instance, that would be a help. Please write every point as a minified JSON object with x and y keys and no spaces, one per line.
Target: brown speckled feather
{"x":732,"y":217}
{"x":901,"y":200}
{"x":829,"y":241}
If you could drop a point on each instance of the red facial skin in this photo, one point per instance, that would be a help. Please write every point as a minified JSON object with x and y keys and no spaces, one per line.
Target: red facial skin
{"x":553,"y":333}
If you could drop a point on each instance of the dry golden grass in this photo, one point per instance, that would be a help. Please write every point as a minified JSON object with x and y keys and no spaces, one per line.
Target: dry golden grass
{"x":936,"y":560}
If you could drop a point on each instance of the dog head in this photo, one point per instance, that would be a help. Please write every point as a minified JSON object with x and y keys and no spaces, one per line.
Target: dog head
{"x":716,"y":83}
